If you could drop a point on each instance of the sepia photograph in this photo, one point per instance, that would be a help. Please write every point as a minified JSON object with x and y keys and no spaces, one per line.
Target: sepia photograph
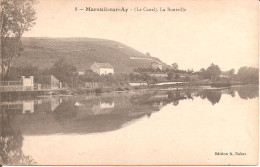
{"x":121,"y":82}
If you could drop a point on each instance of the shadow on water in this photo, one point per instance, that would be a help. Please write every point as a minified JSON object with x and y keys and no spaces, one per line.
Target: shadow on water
{"x":90,"y":114}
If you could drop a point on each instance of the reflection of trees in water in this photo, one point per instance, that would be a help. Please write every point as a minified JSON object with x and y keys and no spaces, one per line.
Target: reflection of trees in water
{"x":231,"y":92}
{"x":203,"y":95}
{"x":175,"y":96}
{"x":249,"y":93}
{"x":188,"y":94}
{"x":175,"y":102}
{"x":213,"y":96}
{"x":112,"y":112}
{"x":11,"y":142}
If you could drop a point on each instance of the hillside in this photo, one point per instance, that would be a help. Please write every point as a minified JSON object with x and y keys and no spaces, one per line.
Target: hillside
{"x":44,"y":52}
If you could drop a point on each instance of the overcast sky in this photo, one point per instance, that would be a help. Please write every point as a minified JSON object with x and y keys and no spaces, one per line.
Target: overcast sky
{"x":218,"y":31}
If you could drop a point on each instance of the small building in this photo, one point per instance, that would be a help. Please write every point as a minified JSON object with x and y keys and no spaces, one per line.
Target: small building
{"x":27,"y":83}
{"x":102,"y":68}
{"x":156,"y":65}
{"x":48,"y":82}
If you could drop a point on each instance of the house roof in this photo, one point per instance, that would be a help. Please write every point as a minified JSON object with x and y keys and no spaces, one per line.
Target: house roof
{"x":103,"y":65}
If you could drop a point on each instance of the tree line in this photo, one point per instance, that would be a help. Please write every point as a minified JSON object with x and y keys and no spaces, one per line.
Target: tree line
{"x":244,"y":74}
{"x":67,"y":72}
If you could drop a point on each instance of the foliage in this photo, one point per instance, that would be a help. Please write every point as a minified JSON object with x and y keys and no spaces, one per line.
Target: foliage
{"x":118,"y":80}
{"x":107,"y":79}
{"x":17,"y":17}
{"x":248,"y":74}
{"x":231,"y":72}
{"x":175,"y":66}
{"x":30,"y":70}
{"x":214,"y":71}
{"x":139,"y":77}
{"x":89,"y":76}
{"x":63,"y":70}
{"x":190,"y":71}
{"x":142,"y":70}
{"x":173,"y":75}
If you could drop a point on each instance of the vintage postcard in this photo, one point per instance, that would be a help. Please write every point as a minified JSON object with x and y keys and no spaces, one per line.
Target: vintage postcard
{"x":129,"y":82}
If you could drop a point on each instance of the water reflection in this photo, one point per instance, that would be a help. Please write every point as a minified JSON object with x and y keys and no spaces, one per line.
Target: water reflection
{"x":11,"y":142}
{"x":91,"y":114}
{"x":249,"y":93}
{"x":213,"y":96}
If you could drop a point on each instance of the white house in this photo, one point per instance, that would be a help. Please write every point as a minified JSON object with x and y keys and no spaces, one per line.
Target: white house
{"x":102,"y":68}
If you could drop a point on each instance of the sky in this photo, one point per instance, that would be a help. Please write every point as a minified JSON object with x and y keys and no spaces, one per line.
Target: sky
{"x":209,"y":31}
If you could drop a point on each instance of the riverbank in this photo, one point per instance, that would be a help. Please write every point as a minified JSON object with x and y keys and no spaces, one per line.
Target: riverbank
{"x":103,"y":91}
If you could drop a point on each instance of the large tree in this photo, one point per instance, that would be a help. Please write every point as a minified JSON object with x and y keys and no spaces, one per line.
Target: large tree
{"x":17,"y":17}
{"x":214,"y":71}
{"x":64,"y":70}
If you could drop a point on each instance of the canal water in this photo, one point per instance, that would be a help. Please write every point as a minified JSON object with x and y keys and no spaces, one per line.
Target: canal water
{"x":150,"y":127}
